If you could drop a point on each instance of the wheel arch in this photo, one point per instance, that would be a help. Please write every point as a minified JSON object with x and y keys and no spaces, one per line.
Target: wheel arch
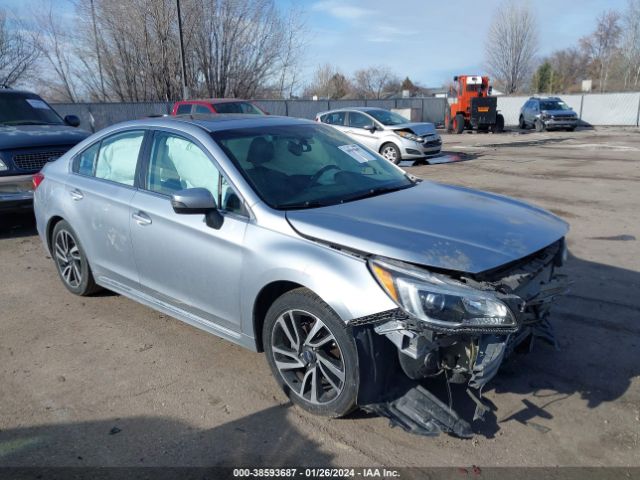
{"x":269,"y":294}
{"x":51,"y":224}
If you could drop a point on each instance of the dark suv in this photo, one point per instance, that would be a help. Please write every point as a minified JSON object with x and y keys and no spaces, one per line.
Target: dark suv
{"x":31,"y":134}
{"x":544,"y":113}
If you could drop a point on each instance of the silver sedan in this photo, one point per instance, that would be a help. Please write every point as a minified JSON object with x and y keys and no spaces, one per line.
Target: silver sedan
{"x":288,"y":237}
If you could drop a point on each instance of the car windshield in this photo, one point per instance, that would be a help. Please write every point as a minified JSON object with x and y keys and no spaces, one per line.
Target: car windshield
{"x":554,"y":105}
{"x":26,"y":110}
{"x":237,"y":107}
{"x":386,"y":117}
{"x":307,"y":166}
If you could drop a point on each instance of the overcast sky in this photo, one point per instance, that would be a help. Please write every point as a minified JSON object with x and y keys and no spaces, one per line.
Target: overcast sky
{"x":428,"y":40}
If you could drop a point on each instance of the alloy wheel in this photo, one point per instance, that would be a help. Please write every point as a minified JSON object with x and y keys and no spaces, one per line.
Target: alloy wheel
{"x":389,"y":153}
{"x":68,"y":258}
{"x":308,"y":357}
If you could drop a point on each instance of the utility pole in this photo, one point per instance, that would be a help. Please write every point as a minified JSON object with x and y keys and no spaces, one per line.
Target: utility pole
{"x":95,"y":36}
{"x":182,"y":61}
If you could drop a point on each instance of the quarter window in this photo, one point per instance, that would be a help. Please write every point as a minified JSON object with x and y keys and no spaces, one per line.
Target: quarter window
{"x":118,"y":157}
{"x":85,"y":162}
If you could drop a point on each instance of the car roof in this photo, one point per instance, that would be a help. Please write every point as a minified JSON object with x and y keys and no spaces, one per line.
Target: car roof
{"x":214,"y":123}
{"x":11,"y":91}
{"x":352,"y":109}
{"x":215,"y":100}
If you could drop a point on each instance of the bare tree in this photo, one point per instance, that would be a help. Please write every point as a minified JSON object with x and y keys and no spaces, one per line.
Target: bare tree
{"x":328,"y":82}
{"x":512,"y":45}
{"x":56,"y":47}
{"x":568,"y":67}
{"x":290,"y":57}
{"x":17,"y":55}
{"x":602,"y":45}
{"x":631,"y":44}
{"x":372,"y":82}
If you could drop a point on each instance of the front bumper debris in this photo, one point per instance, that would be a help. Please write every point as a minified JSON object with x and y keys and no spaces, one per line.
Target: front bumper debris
{"x":470,"y":356}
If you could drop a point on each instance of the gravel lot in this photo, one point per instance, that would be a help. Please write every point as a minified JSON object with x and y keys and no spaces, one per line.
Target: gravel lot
{"x":105,"y":381}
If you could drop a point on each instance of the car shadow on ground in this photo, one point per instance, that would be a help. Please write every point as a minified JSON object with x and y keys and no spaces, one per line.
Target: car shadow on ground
{"x":17,"y":224}
{"x":443,"y":158}
{"x":263,"y":438}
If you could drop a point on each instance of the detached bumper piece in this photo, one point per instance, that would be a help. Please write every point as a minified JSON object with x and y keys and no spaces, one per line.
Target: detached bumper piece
{"x":419,"y":411}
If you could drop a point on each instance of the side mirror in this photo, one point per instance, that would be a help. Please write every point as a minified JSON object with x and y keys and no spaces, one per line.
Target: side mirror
{"x":372,"y":128}
{"x":72,"y":120}
{"x":193,"y":201}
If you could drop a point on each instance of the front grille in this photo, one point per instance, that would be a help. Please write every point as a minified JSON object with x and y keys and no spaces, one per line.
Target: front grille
{"x":36,"y":160}
{"x":433,"y":143}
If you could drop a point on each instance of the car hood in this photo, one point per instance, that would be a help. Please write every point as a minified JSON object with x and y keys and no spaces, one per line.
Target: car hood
{"x":434,"y":225}
{"x":422,"y":128}
{"x":23,"y":136}
{"x":566,"y":113}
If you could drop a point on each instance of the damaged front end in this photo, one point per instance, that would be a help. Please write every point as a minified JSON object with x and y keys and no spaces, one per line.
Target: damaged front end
{"x":462,"y":326}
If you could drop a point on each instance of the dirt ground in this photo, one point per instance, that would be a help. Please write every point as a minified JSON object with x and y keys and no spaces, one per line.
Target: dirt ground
{"x":103,"y":381}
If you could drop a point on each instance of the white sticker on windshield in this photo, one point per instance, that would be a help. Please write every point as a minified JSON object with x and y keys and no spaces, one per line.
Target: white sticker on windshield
{"x":36,"y":103}
{"x":357,"y":152}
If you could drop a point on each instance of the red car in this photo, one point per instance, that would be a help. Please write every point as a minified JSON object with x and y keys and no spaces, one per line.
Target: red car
{"x":216,"y":105}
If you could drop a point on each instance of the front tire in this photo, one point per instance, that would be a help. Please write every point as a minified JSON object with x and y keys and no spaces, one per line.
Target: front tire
{"x":539,"y":125}
{"x":521,"y":123}
{"x":458,"y":123}
{"x":311,"y":353}
{"x":71,"y":261}
{"x":499,"y":125}
{"x":390,"y":152}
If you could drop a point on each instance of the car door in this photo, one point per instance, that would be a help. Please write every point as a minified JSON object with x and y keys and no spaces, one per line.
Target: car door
{"x":100,"y":192}
{"x":358,"y":130}
{"x":181,"y":261}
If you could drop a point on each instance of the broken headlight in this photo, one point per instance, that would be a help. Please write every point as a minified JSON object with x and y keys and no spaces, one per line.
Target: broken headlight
{"x":439,"y":300}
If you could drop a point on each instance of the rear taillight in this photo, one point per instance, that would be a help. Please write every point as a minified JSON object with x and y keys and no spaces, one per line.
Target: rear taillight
{"x":37,"y":180}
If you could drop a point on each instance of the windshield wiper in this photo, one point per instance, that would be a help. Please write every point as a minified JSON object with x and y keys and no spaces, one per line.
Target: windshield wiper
{"x":301,"y":205}
{"x":373,"y":192}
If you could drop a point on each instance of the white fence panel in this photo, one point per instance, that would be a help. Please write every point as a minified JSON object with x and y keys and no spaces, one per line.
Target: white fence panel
{"x":510,"y":107}
{"x":611,"y":109}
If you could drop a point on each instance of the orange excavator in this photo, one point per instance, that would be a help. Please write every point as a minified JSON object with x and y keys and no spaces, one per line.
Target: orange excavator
{"x":471,"y":106}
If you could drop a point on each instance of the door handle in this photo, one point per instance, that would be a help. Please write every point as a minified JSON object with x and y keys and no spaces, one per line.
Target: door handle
{"x":141,"y":218}
{"x":76,"y":194}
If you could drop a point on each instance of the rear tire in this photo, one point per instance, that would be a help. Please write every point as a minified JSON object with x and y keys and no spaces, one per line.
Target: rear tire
{"x":499,"y":126}
{"x":71,"y":261}
{"x":306,"y":356}
{"x":458,"y":123}
{"x":539,"y":125}
{"x":390,"y":152}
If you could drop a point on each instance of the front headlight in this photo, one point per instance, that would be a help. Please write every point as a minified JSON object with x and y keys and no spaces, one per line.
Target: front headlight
{"x":3,"y":166}
{"x":409,"y":136}
{"x":438,"y":300}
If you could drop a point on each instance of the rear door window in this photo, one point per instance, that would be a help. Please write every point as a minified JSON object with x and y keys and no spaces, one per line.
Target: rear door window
{"x":359,"y":120}
{"x":118,"y":157}
{"x":202,"y":109}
